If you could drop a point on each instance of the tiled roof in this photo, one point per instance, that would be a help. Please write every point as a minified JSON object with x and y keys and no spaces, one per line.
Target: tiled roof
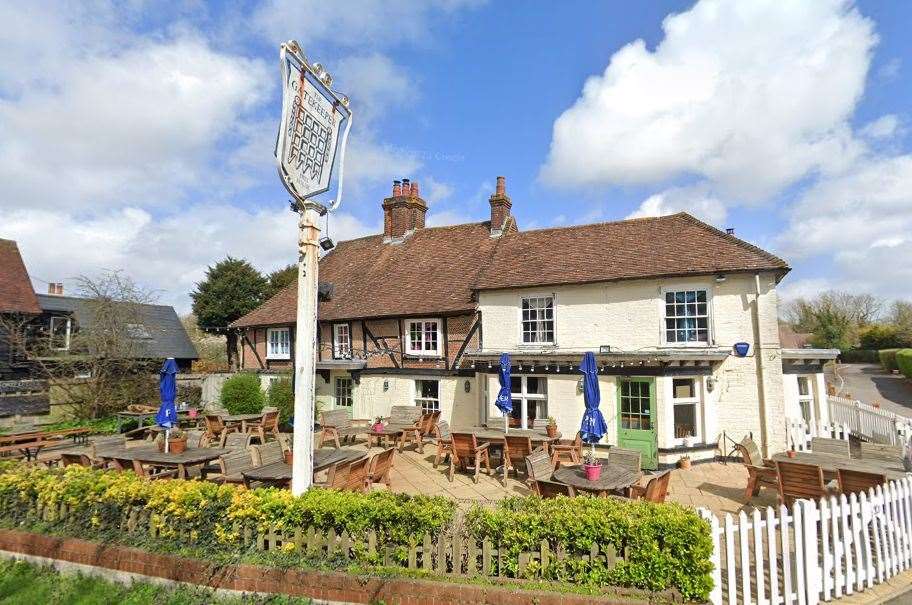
{"x":663,"y":246}
{"x":436,"y":270}
{"x":16,"y":292}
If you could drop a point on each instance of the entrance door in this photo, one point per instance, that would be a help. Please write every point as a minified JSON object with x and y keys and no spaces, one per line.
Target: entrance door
{"x":636,"y":418}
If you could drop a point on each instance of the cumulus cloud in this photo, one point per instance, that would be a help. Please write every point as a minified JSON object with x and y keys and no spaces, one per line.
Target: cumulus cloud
{"x":883,"y":127}
{"x":694,"y":200}
{"x":751,"y":96}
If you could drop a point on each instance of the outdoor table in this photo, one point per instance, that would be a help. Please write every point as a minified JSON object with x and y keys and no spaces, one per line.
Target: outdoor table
{"x":279,"y":473}
{"x":485,"y":434}
{"x":192,"y":456}
{"x":396,"y":433}
{"x":141,"y":417}
{"x":242,"y":419}
{"x":831,"y":462}
{"x":614,"y":477}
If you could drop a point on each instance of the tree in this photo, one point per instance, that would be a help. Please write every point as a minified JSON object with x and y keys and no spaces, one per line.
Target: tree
{"x":280,"y":278}
{"x":901,"y":317}
{"x":834,"y":317}
{"x":232,"y":289}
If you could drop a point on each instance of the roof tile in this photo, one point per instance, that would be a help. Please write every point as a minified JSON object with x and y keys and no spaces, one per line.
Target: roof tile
{"x":16,"y":292}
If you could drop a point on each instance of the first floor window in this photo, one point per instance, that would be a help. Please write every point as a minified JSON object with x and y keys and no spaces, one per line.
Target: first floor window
{"x":341,"y":341}
{"x":423,"y":337}
{"x":60,"y":333}
{"x":686,"y":316}
{"x":530,"y":400}
{"x":538,"y":320}
{"x":685,"y":400}
{"x":278,"y":343}
{"x":427,"y":395}
{"x":344,"y":392}
{"x":805,"y":398}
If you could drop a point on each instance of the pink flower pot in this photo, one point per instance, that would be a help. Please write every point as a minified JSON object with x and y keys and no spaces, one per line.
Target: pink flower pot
{"x":192,"y":412}
{"x":377,"y":427}
{"x":593,"y":471}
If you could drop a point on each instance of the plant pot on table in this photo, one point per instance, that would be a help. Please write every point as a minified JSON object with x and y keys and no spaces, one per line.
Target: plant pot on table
{"x":593,"y":471}
{"x":175,"y":446}
{"x":551,"y":431}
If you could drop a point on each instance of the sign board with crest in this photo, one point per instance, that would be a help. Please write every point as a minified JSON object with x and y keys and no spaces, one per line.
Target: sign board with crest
{"x":314,"y":129}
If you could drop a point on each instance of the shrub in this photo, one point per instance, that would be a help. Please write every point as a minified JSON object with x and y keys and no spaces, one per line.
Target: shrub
{"x":241,"y":394}
{"x":858,"y":356}
{"x":666,"y":545}
{"x":888,"y":359}
{"x":882,"y":336}
{"x":904,"y":362}
{"x":281,"y":396}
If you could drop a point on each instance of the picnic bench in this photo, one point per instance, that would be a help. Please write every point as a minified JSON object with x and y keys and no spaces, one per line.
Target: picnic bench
{"x":149,"y":455}
{"x":338,"y":425}
{"x":29,"y":444}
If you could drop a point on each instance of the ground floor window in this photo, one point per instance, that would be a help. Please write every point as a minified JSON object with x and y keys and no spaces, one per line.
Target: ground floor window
{"x":636,"y":405}
{"x":685,"y":400}
{"x":427,"y":395}
{"x":805,"y":398}
{"x":344,"y":392}
{"x":530,"y":400}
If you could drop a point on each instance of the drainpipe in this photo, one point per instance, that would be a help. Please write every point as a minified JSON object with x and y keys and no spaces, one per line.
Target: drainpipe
{"x":758,"y":360}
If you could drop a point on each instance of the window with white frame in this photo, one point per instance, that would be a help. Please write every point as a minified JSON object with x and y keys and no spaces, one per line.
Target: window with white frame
{"x":341,"y":341}
{"x":423,"y":337}
{"x":685,"y":399}
{"x":686,"y":316}
{"x":538,"y":320}
{"x":530,"y":400}
{"x":427,"y":395}
{"x":805,"y":398}
{"x":60,"y":333}
{"x":344,"y":397}
{"x":278,"y":343}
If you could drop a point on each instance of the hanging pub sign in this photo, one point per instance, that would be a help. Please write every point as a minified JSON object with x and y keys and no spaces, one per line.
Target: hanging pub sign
{"x":310,"y":147}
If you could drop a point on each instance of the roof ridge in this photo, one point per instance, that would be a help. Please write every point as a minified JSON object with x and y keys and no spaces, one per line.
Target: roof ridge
{"x":737,"y":240}
{"x":602,"y":223}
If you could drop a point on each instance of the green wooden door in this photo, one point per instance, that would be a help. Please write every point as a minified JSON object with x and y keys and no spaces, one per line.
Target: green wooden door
{"x":636,"y":418}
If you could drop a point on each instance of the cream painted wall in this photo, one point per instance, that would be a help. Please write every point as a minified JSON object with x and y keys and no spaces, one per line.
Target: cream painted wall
{"x":818,"y":392}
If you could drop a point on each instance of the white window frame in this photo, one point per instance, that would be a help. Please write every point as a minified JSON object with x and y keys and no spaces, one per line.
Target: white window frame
{"x":524,"y":397}
{"x":340,"y":352}
{"x":410,"y":345}
{"x":350,"y":398}
{"x":279,"y":354}
{"x":519,"y":310}
{"x":423,"y":401}
{"x":66,"y":340}
{"x":809,"y":398}
{"x":710,"y":337}
{"x":696,"y":401}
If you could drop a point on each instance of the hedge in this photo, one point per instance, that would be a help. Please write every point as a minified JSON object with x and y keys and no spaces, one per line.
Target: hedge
{"x":904,"y":362}
{"x":858,"y":356}
{"x":666,"y":545}
{"x":888,"y":359}
{"x":241,"y":394}
{"x":281,"y":396}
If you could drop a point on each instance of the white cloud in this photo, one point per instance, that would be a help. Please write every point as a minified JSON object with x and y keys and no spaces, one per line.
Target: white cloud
{"x":448,"y":217}
{"x":748,"y":95}
{"x":694,"y":200}
{"x":807,"y":288}
{"x":435,"y":191}
{"x":883,"y":127}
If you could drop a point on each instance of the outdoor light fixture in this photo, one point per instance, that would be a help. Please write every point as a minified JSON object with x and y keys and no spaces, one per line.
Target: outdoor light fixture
{"x":327,"y":244}
{"x":604,"y":348}
{"x":547,"y":367}
{"x":489,"y":365}
{"x":467,"y":386}
{"x":710,"y":384}
{"x":720,"y":278}
{"x":386,"y":385}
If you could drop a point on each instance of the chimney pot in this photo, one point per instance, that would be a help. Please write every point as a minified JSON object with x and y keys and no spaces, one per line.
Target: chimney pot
{"x":404,"y":212}
{"x":406,"y":187}
{"x":730,"y":231}
{"x":415,"y":189}
{"x":501,"y":186}
{"x":397,"y":188}
{"x":55,"y":288}
{"x":500,"y":207}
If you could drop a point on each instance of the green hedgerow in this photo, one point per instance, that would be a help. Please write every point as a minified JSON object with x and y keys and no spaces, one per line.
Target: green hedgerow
{"x":888,"y":359}
{"x":904,"y":362}
{"x":241,"y":394}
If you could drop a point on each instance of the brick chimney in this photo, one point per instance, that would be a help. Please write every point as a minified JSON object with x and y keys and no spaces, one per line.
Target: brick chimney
{"x":500,"y":209}
{"x":403,"y":212}
{"x":55,"y":288}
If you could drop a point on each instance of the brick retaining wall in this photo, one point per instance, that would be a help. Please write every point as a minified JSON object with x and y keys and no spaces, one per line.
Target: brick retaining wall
{"x":324,"y":586}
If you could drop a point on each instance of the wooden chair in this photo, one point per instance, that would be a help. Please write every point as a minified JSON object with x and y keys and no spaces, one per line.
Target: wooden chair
{"x":408,"y":419}
{"x":69,"y":459}
{"x":655,"y":491}
{"x":515,"y":450}
{"x":797,"y":481}
{"x":358,"y":475}
{"x":427,"y":424}
{"x":269,"y":423}
{"x":551,"y":489}
{"x":380,"y":466}
{"x":233,"y":464}
{"x":629,"y":459}
{"x":760,"y":472}
{"x":442,"y":435}
{"x":267,"y":453}
{"x":234,"y":441}
{"x":851,"y":482}
{"x":197,"y":439}
{"x":216,"y":427}
{"x":464,"y":449}
{"x":150,"y":471}
{"x":337,"y":476}
{"x":876,"y":451}
{"x":572,"y":450}
{"x":822,"y":445}
{"x":337,"y":424}
{"x":539,"y":466}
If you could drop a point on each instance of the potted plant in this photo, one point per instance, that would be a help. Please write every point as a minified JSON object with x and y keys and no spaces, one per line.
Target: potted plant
{"x":289,"y":457}
{"x":177,"y":441}
{"x":790,"y":453}
{"x":592,"y":467}
{"x":377,"y":426}
{"x":551,"y":428}
{"x":684,"y":462}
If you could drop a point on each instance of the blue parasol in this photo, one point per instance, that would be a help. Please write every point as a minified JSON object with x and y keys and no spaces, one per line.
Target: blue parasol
{"x":167,"y":388}
{"x":593,"y":427}
{"x":504,"y":400}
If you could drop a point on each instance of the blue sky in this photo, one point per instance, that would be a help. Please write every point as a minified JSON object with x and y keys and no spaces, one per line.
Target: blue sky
{"x":139,"y":137}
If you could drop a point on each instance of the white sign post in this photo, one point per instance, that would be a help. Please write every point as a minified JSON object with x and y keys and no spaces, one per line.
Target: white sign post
{"x":309,"y":148}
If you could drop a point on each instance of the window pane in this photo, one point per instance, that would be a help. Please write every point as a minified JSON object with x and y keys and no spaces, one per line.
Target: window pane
{"x":515,"y":384}
{"x":804,"y":387}
{"x":684,"y":388}
{"x":685,"y":420}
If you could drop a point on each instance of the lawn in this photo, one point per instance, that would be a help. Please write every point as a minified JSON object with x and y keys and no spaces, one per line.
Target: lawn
{"x":25,"y":584}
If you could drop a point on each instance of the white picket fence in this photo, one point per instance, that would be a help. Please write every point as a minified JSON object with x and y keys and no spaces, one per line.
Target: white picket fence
{"x":816,"y":550}
{"x":868,"y":422}
{"x":799,"y":432}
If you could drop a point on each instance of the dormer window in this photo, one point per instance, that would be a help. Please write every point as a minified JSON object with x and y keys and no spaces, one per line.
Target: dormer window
{"x":423,"y":337}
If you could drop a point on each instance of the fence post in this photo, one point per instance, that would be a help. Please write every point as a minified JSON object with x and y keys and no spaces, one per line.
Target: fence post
{"x":715,"y":595}
{"x":811,"y":565}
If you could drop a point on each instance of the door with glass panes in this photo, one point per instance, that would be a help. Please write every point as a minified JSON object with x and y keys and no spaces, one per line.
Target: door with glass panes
{"x":636,"y":418}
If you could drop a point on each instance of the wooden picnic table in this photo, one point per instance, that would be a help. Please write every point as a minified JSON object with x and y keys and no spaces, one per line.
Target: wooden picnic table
{"x":192,"y":456}
{"x":831,"y":462}
{"x":614,"y":477}
{"x":397,"y":434}
{"x":31,"y":443}
{"x":485,"y":434}
{"x":279,"y":473}
{"x":141,"y":417}
{"x":242,"y":419}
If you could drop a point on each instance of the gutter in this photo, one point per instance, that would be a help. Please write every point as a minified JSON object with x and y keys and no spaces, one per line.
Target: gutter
{"x":758,"y":360}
